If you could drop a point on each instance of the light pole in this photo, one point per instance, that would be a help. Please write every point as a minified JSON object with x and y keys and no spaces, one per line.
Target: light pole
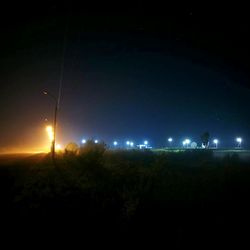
{"x":215,"y":141}
{"x":186,"y":142}
{"x":170,"y":141}
{"x":239,"y":140}
{"x":53,"y":142}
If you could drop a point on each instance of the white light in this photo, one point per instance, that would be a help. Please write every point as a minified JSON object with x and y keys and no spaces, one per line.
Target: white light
{"x":96,"y":141}
{"x":83,"y":141}
{"x":145,"y":142}
{"x":186,"y":142}
{"x":58,"y":147}
{"x":131,"y":144}
{"x":115,"y":143}
{"x":128,"y":142}
{"x":215,"y":141}
{"x":239,"y":139}
{"x":170,"y":139}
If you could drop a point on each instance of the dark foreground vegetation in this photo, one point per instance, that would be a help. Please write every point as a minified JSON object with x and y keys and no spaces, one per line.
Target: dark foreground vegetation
{"x":176,"y":199}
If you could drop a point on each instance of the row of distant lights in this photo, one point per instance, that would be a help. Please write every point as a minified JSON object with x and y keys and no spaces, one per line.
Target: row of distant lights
{"x":186,"y":142}
{"x":115,"y":143}
{"x":84,"y":141}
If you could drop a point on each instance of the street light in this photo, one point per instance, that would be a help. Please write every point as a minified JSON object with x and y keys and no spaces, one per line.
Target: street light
{"x":186,"y":142}
{"x":96,"y":141}
{"x":131,"y":144}
{"x":53,"y":141}
{"x":170,"y":140}
{"x":239,"y":140}
{"x":215,"y":141}
{"x":83,"y":141}
{"x":115,"y":143}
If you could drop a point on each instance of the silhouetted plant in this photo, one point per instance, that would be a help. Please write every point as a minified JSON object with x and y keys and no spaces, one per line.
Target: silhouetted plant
{"x":205,"y":139}
{"x":72,"y":148}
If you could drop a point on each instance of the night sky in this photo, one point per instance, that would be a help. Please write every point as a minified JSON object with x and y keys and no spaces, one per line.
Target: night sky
{"x":136,"y":71}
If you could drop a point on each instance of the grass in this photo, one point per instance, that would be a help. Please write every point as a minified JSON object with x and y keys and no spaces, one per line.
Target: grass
{"x":129,"y":191}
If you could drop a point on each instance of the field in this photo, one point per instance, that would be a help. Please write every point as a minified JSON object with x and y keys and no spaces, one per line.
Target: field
{"x":178,"y":198}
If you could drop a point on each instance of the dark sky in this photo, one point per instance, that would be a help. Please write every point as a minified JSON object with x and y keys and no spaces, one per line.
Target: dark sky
{"x":133,"y":71}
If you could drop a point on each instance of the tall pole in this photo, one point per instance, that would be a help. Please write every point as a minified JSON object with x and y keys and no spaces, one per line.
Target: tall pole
{"x":58,"y":98}
{"x":53,"y":146}
{"x":53,"y":142}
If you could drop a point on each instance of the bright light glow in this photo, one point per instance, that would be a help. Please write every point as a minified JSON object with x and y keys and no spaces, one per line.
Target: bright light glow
{"x":115,"y":143}
{"x":145,"y":142}
{"x":128,"y":142}
{"x":131,"y":144}
{"x":50,"y":133}
{"x":186,"y":142}
{"x":170,"y":139}
{"x":58,"y":147}
{"x":96,"y":141}
{"x":83,"y":141}
{"x":239,"y":140}
{"x":215,"y":141}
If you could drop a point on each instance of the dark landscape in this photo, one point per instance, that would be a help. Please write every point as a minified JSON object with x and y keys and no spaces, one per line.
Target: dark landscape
{"x":124,"y":125}
{"x":180,"y":199}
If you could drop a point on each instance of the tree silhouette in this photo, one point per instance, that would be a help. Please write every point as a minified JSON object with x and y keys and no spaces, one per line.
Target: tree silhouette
{"x":71,"y":148}
{"x":205,"y":139}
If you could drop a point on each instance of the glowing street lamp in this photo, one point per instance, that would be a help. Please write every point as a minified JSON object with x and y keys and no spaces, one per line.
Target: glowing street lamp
{"x":53,"y":141}
{"x":96,"y":141}
{"x":128,"y":143}
{"x":131,"y":144}
{"x":215,"y":141}
{"x":239,"y":140}
{"x":145,"y":142}
{"x":83,"y":141}
{"x":170,"y":141}
{"x":186,"y":142}
{"x":115,"y":143}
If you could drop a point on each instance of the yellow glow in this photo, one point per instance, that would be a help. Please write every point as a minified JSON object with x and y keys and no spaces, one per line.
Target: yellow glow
{"x":58,"y":147}
{"x":50,"y":133}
